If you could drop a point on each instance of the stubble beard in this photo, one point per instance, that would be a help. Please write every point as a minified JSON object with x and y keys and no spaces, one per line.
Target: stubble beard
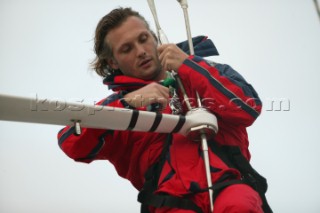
{"x":158,"y":72}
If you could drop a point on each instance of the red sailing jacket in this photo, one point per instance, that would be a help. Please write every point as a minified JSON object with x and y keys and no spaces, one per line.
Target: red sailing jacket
{"x":224,"y":92}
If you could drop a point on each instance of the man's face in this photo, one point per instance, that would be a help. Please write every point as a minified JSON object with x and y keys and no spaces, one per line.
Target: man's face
{"x":134,"y":50}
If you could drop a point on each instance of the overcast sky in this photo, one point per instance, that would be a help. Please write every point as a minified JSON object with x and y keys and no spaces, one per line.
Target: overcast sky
{"x":46,"y":48}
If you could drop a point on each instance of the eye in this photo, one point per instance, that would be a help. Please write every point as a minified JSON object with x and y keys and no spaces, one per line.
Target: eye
{"x":125,"y":49}
{"x":144,"y":37}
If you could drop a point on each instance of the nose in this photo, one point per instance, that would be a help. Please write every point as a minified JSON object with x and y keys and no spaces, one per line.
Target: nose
{"x":141,"y":52}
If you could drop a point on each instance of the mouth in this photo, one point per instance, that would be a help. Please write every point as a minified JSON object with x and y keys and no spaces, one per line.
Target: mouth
{"x":145,"y":62}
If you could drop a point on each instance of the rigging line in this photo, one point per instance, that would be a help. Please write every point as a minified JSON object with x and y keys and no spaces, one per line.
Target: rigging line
{"x":317,"y":7}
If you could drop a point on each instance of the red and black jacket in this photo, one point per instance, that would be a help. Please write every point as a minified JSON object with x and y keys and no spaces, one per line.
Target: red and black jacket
{"x":224,"y":92}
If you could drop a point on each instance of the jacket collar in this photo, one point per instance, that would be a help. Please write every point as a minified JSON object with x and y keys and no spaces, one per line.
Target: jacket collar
{"x":203,"y":46}
{"x":122,"y":82}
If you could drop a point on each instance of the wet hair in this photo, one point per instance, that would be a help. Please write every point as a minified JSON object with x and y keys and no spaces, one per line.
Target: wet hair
{"x":102,"y":49}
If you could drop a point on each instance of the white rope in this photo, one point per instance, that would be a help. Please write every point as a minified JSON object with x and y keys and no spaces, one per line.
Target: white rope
{"x":317,"y":7}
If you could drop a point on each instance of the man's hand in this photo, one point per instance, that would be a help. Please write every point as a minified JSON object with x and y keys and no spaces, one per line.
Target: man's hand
{"x":171,"y":56}
{"x":149,"y":94}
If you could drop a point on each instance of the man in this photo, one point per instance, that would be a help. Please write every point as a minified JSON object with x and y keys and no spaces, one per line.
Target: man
{"x":168,"y":169}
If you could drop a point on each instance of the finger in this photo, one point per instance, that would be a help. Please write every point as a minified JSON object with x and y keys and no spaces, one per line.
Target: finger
{"x":162,"y":47}
{"x":157,"y":90}
{"x":165,"y":51}
{"x":165,"y":93}
{"x":164,"y":60}
{"x":162,"y":90}
{"x":171,"y":57}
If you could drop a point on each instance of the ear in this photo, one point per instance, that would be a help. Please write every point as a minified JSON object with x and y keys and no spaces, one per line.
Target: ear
{"x":113,"y":63}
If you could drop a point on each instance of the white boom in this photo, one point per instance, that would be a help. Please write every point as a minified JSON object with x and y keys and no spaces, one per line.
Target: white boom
{"x":32,"y":110}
